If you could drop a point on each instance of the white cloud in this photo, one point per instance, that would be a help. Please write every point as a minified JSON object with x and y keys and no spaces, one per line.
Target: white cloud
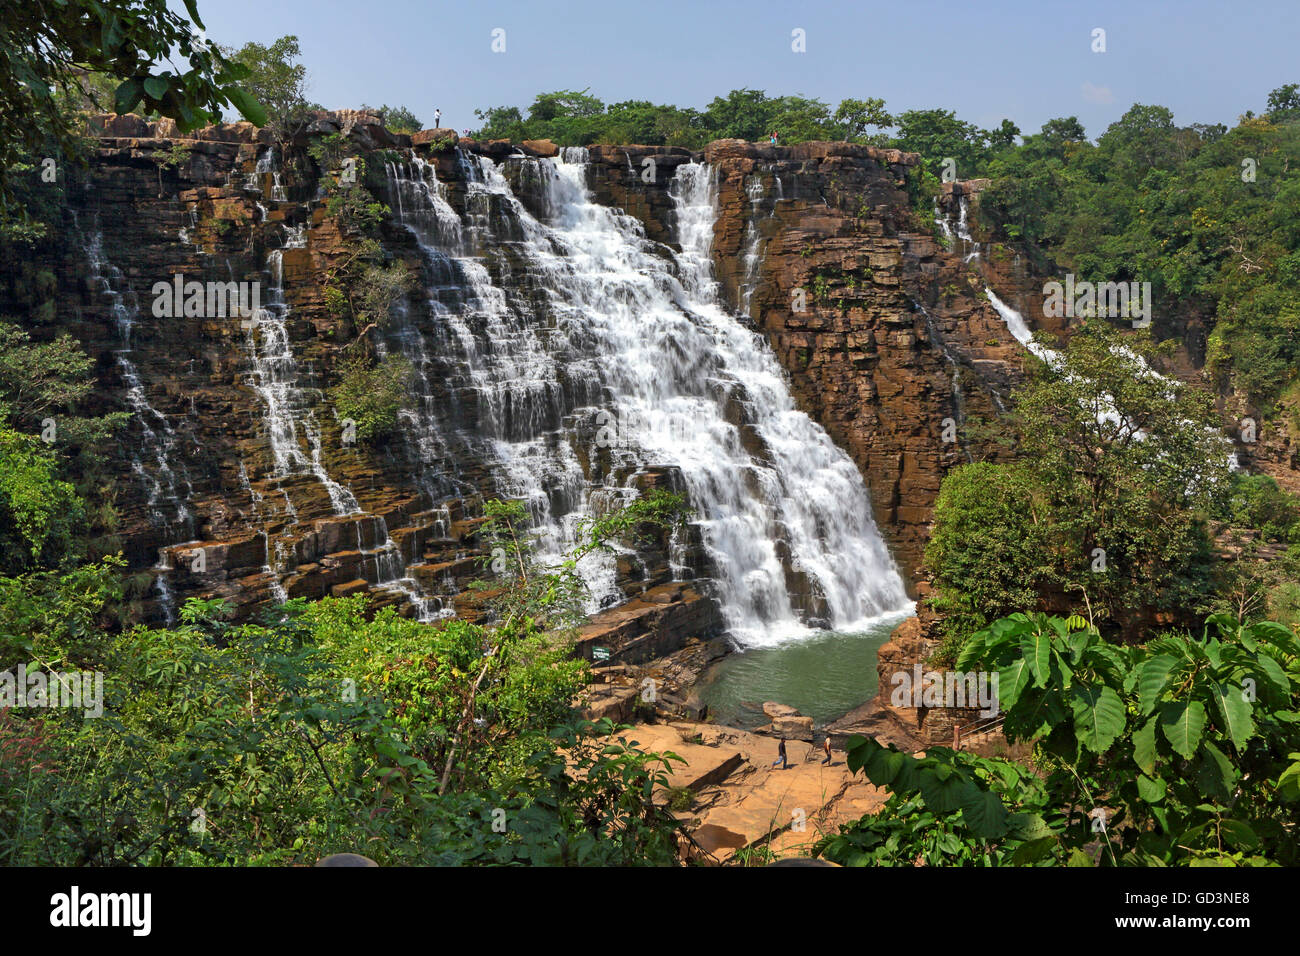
{"x":1097,"y":94}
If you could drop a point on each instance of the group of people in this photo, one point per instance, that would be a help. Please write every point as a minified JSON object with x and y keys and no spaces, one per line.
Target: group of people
{"x":772,"y":138}
{"x":784,"y":760}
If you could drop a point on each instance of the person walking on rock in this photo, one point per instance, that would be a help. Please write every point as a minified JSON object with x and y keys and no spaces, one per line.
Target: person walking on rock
{"x":826,"y":746}
{"x":780,"y":756}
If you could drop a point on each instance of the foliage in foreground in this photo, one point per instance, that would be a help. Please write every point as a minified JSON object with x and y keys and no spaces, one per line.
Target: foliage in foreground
{"x":324,"y":729}
{"x":1182,"y":751}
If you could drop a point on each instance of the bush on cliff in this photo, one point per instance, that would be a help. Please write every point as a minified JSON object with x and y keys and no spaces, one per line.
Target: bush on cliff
{"x":986,"y":554}
{"x":370,"y":395}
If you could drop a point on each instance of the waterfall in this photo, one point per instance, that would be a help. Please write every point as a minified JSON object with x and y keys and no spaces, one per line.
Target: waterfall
{"x":166,"y":491}
{"x":753,"y":241}
{"x":1017,"y":326}
{"x":954,"y":381}
{"x":163,"y":487}
{"x":957,"y":233}
{"x":579,"y":326}
{"x":287,"y":409}
{"x":275,"y":379}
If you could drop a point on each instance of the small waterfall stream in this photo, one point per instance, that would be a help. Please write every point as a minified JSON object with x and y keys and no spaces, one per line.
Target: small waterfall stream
{"x":288,"y":407}
{"x":167,"y":486}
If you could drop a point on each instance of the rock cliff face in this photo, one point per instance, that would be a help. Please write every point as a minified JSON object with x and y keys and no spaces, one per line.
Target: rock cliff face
{"x":885,"y":334}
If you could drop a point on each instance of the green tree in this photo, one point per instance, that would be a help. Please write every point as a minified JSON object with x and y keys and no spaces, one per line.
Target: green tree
{"x":855,"y":117}
{"x":400,"y":120}
{"x":331,"y":726}
{"x":372,"y":395}
{"x":1284,"y":102}
{"x":987,"y":555}
{"x":1120,"y":470}
{"x":741,"y":114}
{"x":938,"y":135}
{"x":279,"y":82}
{"x":46,"y":48}
{"x":40,"y":514}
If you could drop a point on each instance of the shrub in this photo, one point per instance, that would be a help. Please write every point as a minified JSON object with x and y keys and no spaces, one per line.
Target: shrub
{"x":371,"y":395}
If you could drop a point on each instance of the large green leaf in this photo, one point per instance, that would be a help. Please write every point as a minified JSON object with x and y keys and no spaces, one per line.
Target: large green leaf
{"x":1216,"y":775}
{"x":1235,"y":710}
{"x":1182,"y":722}
{"x":1012,"y":681}
{"x":983,"y":812}
{"x":156,"y":86}
{"x":942,"y":795}
{"x":1150,"y":789}
{"x":1288,"y":784}
{"x":1274,"y":633}
{"x":1239,"y":834}
{"x":1028,"y":826}
{"x":1153,"y":677}
{"x":1144,"y":746}
{"x":1031,"y":851}
{"x":1098,"y":716}
{"x":1274,"y":674}
{"x":192,"y":7}
{"x":856,"y":751}
{"x":248,"y":107}
{"x":1037,"y":650}
{"x":127,"y":95}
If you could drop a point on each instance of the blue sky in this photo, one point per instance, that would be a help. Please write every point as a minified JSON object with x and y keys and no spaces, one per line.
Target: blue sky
{"x":1028,"y":61}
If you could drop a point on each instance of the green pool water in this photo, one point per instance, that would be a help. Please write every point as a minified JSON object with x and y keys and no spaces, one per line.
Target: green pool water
{"x":823,"y":676}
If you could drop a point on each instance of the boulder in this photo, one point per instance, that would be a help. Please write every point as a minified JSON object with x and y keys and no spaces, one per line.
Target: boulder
{"x":440,"y":138}
{"x":540,"y":147}
{"x":773,"y":709}
{"x":346,"y":859}
{"x":796,"y":726}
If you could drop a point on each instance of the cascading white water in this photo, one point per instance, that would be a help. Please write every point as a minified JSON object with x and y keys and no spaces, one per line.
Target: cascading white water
{"x":1019,"y":328}
{"x":753,"y":241}
{"x":810,"y":487}
{"x":954,"y":375}
{"x":638,"y":341}
{"x":167,"y":487}
{"x":167,"y":491}
{"x":957,"y":232}
{"x":275,"y":380}
{"x":288,"y":409}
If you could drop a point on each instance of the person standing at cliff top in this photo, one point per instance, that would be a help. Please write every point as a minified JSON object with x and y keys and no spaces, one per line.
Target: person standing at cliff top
{"x":437,"y":118}
{"x":780,"y":756}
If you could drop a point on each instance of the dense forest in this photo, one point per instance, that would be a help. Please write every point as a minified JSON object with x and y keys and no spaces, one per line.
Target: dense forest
{"x":1162,"y":686}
